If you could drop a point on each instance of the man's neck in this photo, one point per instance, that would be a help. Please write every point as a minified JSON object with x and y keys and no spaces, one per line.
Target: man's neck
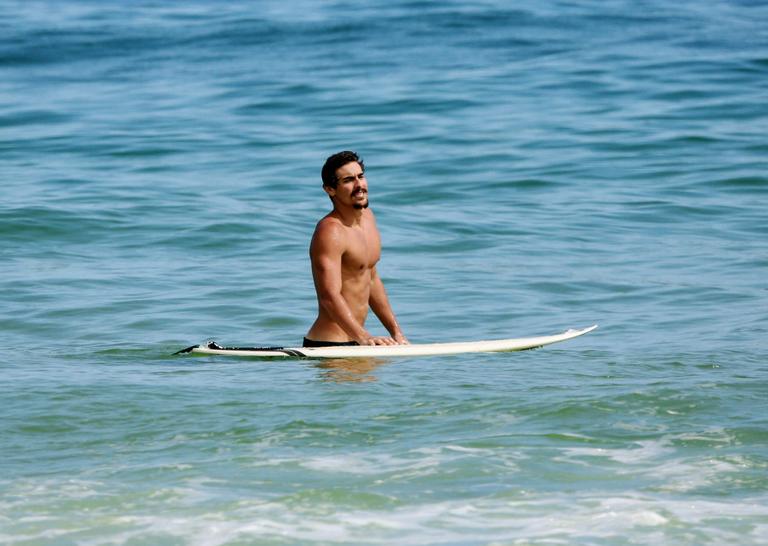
{"x":349,"y":216}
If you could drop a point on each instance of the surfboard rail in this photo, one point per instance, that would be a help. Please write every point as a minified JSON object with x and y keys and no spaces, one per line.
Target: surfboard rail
{"x":212,"y":348}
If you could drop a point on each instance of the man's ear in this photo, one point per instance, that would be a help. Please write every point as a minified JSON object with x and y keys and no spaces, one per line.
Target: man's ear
{"x":330,"y":191}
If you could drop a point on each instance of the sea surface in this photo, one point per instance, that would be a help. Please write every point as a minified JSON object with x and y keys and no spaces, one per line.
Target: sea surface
{"x":534,"y":166}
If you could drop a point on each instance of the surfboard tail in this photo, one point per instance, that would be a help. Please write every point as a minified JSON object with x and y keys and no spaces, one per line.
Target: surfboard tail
{"x":187,"y":350}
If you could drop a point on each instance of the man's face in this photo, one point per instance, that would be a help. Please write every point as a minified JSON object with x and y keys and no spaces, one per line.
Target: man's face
{"x":351,"y":187}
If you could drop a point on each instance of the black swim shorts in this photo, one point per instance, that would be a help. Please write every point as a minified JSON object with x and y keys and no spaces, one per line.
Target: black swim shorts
{"x":313,"y":343}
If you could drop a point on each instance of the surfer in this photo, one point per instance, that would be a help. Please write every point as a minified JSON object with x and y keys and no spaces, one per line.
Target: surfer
{"x":344,"y":250}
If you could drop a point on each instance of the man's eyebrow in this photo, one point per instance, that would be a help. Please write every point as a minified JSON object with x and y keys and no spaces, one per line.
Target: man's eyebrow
{"x":352,"y":176}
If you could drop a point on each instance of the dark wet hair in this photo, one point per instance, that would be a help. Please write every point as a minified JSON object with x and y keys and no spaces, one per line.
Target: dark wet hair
{"x":336,"y":161}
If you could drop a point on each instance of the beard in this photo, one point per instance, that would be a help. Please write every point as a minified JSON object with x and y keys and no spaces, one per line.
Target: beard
{"x":360,"y":206}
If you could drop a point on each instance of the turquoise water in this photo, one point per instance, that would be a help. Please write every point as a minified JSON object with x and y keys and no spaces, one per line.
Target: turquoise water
{"x":533,"y":168}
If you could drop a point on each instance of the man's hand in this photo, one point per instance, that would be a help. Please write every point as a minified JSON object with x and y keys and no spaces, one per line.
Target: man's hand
{"x":379,"y":340}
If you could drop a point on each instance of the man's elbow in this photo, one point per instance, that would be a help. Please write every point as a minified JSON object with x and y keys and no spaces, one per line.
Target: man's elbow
{"x":327,"y":300}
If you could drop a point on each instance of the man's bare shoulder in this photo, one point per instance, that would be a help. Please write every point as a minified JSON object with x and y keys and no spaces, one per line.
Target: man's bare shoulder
{"x":329,"y":225}
{"x":330,"y":231}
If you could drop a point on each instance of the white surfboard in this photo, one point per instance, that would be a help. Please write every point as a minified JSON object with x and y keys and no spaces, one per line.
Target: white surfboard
{"x":362,"y":351}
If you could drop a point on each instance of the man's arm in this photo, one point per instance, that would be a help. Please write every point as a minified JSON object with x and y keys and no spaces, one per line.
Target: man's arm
{"x":380,"y":305}
{"x":326,"y":251}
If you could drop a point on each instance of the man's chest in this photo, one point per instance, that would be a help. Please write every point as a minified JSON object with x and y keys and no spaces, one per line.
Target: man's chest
{"x":363,"y":249}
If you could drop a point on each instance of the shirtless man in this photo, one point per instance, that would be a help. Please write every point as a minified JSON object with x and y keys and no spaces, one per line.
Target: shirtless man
{"x":344,"y":251}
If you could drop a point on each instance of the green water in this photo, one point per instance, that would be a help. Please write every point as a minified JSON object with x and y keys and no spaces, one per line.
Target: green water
{"x":532,"y":169}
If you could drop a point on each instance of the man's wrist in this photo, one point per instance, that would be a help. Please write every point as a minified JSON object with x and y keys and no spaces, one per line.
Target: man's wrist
{"x":364,"y":339}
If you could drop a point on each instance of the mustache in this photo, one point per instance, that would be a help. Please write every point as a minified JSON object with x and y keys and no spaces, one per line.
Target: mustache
{"x":358,"y":192}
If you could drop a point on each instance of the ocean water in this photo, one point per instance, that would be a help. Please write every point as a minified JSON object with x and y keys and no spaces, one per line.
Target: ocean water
{"x":534,"y":166}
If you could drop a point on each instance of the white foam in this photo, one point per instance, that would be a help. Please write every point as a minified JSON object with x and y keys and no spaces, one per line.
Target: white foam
{"x":548,"y":518}
{"x":204,"y":515}
{"x":682,"y":476}
{"x":507,"y":519}
{"x":417,"y":462}
{"x":644,"y":452}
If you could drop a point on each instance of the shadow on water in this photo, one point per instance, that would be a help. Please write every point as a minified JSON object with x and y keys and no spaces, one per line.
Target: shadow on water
{"x":345,"y":370}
